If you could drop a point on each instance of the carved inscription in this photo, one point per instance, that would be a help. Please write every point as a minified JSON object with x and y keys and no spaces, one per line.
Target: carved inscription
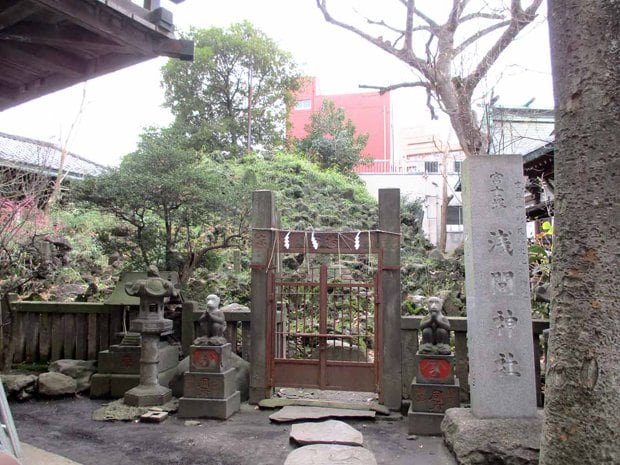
{"x":497,"y":189}
{"x":500,"y":240}
{"x":506,"y":365}
{"x":505,"y":322}
{"x":502,"y":282}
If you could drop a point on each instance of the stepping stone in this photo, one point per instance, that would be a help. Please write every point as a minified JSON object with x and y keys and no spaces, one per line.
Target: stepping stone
{"x":283,"y":402}
{"x":321,"y":454}
{"x":294,"y":413}
{"x":326,"y":432}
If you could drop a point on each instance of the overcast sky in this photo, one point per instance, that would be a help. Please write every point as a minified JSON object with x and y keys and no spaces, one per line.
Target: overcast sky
{"x":117,"y":106}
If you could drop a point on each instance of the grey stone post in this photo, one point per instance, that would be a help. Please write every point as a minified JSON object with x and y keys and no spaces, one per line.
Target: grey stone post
{"x":263,"y":220}
{"x":499,"y":318}
{"x":187,"y":325}
{"x":391,"y":375}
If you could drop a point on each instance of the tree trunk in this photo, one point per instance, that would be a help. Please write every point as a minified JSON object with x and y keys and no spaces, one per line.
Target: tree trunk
{"x":582,"y":401}
{"x":443,"y":214}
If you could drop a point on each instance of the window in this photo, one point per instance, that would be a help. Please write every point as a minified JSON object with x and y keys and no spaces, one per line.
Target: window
{"x":303,"y":105}
{"x":431,"y":167}
{"x":457,"y":166}
{"x":454,"y":214}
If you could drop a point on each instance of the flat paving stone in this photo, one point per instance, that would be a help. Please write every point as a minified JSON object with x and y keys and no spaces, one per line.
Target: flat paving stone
{"x":295,"y":413}
{"x":323,"y":454}
{"x":283,"y":402}
{"x":326,"y":432}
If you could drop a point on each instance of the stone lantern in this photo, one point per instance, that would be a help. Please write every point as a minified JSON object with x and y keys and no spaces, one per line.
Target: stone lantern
{"x":154,"y":292}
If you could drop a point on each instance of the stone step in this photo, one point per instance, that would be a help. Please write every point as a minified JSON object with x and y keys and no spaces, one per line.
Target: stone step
{"x":319,"y":454}
{"x":295,"y":413}
{"x":326,"y":432}
{"x":283,"y":402}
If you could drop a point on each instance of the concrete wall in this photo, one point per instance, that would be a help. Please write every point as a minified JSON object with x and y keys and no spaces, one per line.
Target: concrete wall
{"x":370,"y":113}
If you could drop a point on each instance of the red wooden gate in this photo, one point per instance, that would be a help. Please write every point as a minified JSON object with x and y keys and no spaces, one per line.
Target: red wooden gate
{"x":325,"y":311}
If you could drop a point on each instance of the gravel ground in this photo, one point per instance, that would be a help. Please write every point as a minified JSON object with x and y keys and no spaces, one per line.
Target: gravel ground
{"x":65,"y":427}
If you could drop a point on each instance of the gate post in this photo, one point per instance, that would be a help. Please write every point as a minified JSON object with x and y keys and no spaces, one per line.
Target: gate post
{"x":391,"y":374}
{"x":264,"y":220}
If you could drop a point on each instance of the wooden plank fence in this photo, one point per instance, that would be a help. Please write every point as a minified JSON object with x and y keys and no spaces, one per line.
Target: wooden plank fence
{"x":42,"y":332}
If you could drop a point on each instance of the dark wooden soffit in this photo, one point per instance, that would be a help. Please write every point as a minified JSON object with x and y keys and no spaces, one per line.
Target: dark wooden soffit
{"x":47,"y":45}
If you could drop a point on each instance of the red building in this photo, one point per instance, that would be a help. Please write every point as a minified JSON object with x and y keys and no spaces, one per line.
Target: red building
{"x":370,"y":113}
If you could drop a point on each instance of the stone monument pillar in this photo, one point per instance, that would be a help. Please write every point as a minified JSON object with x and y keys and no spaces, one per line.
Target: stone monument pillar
{"x":154,"y":292}
{"x":434,"y":388}
{"x":210,"y":387}
{"x":499,"y":322}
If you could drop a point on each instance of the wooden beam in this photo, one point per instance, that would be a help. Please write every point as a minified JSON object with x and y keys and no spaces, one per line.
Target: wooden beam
{"x":71,"y":37}
{"x":52,"y":83}
{"x":42,"y":59}
{"x":107,"y":23}
{"x":15,"y":13}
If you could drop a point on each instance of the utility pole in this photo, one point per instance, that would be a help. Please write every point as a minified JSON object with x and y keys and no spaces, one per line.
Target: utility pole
{"x":249,"y":109}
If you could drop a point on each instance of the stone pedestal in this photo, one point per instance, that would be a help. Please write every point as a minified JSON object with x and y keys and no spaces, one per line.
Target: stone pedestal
{"x":434,"y":389}
{"x":149,"y":392}
{"x":119,"y":368}
{"x":209,"y":386}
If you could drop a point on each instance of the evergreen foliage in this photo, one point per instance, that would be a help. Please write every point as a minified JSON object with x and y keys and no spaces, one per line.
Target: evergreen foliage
{"x":331,"y":139}
{"x":236,"y":72}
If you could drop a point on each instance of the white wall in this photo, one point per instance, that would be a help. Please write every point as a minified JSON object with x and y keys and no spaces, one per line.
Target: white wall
{"x":427,"y":188}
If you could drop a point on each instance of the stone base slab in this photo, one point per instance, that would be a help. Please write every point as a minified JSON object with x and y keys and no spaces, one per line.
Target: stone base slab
{"x":209,"y":385}
{"x":434,"y":398}
{"x":498,"y":440}
{"x":434,"y":369}
{"x":127,"y":361}
{"x":424,"y":423}
{"x":209,"y":408}
{"x":147,"y":396}
{"x":116,"y":385}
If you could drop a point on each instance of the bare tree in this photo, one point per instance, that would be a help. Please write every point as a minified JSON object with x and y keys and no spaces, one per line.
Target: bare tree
{"x":582,"y":396}
{"x":23,"y":194}
{"x":433,"y":48}
{"x":61,"y":173}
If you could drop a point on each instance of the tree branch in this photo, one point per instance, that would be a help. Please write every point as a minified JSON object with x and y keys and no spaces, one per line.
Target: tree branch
{"x":384,"y":89}
{"x":470,"y":40}
{"x":422,"y":15}
{"x":409,"y":26}
{"x":480,"y":15}
{"x":519,"y":19}
{"x":383,"y":24}
{"x":406,"y":55}
{"x":455,"y":14}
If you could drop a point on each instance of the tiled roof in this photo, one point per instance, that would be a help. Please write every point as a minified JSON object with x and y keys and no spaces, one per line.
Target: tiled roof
{"x":30,"y":154}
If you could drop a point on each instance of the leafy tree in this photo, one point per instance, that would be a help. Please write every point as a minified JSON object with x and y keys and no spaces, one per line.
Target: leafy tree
{"x":436,"y":48}
{"x":582,"y":396}
{"x":331,"y":139}
{"x":181,"y":204}
{"x":239,"y":83}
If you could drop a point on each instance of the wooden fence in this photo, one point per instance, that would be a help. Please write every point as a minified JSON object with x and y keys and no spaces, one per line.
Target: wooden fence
{"x":40,"y":332}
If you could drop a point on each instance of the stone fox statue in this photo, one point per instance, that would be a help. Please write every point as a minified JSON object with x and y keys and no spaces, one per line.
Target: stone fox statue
{"x":435,"y":329}
{"x":212,"y":323}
